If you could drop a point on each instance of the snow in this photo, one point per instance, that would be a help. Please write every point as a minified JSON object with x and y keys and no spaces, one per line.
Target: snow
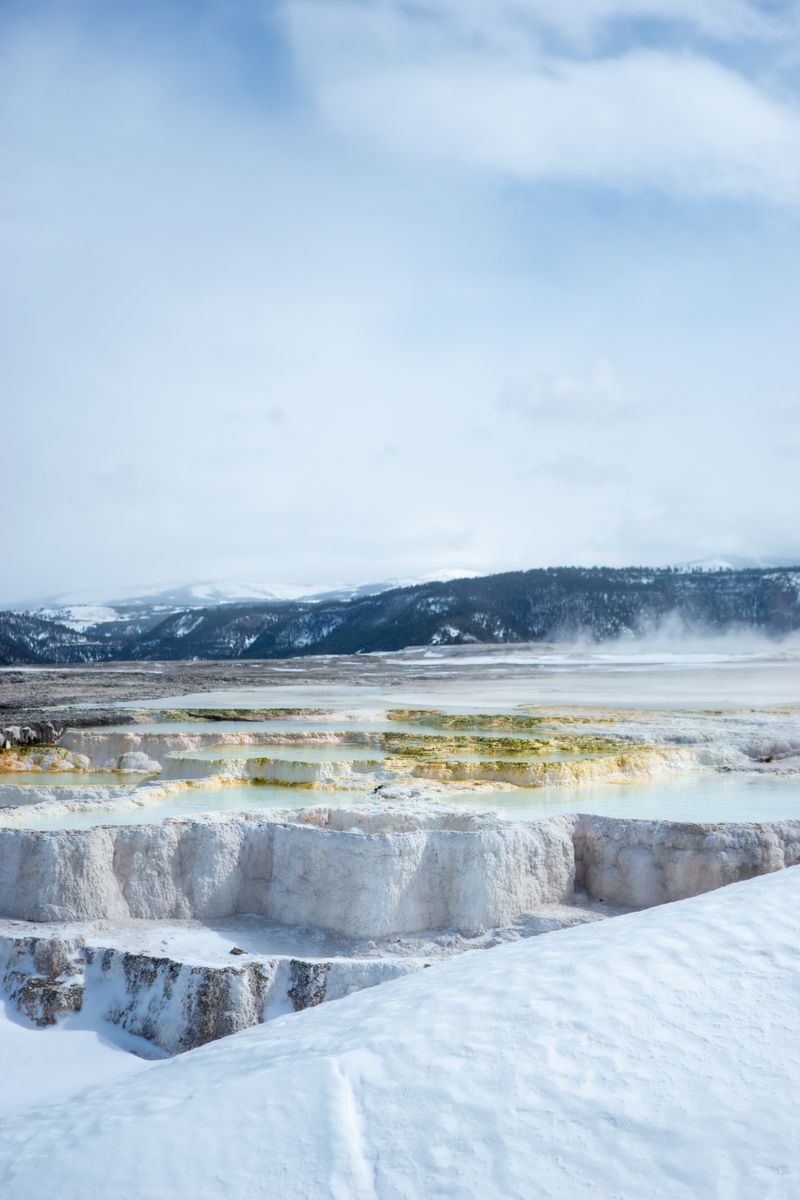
{"x":625,"y":657}
{"x":185,"y":624}
{"x":736,"y":562}
{"x":44,"y":1065}
{"x":80,"y":616}
{"x":208,"y":942}
{"x":561,"y":678}
{"x":82,"y":609}
{"x":649,"y":1055}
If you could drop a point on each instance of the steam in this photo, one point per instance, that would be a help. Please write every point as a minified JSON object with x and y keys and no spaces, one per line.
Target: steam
{"x":673,"y":635}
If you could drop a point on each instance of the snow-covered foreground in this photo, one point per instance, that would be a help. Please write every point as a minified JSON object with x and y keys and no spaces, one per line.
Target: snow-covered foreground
{"x":42,"y":1065}
{"x":653,"y":1055}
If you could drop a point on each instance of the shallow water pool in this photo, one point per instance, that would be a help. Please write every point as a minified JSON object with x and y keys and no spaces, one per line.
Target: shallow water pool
{"x":345,"y":752}
{"x":195,"y":802}
{"x":340,"y":725}
{"x":702,"y":797}
{"x":293,"y":752}
{"x":73,"y":779}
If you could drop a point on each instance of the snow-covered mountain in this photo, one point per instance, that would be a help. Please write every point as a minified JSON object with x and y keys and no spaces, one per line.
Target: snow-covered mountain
{"x":562,"y":603}
{"x":85,"y":610}
{"x":738,"y":562}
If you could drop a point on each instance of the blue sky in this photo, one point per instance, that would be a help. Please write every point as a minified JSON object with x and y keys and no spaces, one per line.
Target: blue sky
{"x":315,"y":291}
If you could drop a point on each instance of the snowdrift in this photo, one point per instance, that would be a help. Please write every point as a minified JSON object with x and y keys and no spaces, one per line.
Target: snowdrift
{"x":653,"y":1055}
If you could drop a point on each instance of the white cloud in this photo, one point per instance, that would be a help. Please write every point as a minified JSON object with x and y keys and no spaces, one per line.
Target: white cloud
{"x":596,"y":399}
{"x":581,"y":21}
{"x":235,"y":342}
{"x":647,"y":118}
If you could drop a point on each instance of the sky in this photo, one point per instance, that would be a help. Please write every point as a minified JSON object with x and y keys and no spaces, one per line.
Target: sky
{"x":311,"y":291}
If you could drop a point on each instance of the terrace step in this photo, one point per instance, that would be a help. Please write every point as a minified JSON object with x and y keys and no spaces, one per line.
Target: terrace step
{"x":179,"y":985}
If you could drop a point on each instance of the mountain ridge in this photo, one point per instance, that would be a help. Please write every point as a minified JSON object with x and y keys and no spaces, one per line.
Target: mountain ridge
{"x":554,"y":603}
{"x":223,"y":591}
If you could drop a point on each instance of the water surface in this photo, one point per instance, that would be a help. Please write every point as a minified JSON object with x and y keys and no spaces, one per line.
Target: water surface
{"x":702,"y":796}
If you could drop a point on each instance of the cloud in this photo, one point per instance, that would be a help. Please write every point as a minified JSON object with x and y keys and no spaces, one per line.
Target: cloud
{"x":594,"y":400}
{"x":593,"y":474}
{"x":425,"y":86}
{"x":244,"y":333}
{"x":581,"y":22}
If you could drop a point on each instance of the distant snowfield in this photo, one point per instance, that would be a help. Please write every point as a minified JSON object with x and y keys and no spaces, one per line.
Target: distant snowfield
{"x":666,"y":650}
{"x":81,"y":610}
{"x":482,"y":681}
{"x":653,"y":1055}
{"x":585,"y":659}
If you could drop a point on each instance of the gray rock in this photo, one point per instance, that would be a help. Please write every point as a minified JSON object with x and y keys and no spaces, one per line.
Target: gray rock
{"x":44,"y":978}
{"x":309,"y":983}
